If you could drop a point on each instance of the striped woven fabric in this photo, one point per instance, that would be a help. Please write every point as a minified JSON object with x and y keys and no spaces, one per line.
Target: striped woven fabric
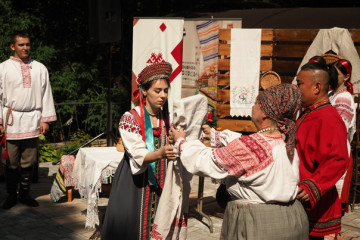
{"x":208,"y":33}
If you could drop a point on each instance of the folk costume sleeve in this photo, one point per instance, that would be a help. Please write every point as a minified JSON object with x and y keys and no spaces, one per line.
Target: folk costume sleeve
{"x":345,"y":106}
{"x":222,"y":138}
{"x":48,"y":109}
{"x":323,"y":153}
{"x":130,"y":133}
{"x":242,"y":156}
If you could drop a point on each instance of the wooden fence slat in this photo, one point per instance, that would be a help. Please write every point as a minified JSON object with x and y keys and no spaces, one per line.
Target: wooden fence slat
{"x":283,"y":66}
{"x":266,"y":49}
{"x":287,"y":79}
{"x":225,"y":34}
{"x":295,"y":35}
{"x":223,"y":95}
{"x":224,"y":65}
{"x":355,"y":35}
{"x":223,"y":79}
{"x":290,"y":50}
{"x":237,"y":125}
{"x":267,"y":35}
{"x":224,"y":49}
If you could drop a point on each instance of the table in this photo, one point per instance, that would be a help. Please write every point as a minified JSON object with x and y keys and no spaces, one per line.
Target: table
{"x":91,"y":165}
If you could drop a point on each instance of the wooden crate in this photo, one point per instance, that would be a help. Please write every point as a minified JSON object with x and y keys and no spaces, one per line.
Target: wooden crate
{"x":282,"y":51}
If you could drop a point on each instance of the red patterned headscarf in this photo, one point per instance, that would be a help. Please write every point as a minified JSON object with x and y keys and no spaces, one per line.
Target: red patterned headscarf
{"x":281,"y":103}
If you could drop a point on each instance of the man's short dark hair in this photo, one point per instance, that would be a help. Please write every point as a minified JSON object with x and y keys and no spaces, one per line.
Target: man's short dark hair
{"x":23,"y":34}
{"x":323,"y":76}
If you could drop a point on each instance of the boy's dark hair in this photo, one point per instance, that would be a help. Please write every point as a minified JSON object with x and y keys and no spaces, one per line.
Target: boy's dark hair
{"x":16,"y":34}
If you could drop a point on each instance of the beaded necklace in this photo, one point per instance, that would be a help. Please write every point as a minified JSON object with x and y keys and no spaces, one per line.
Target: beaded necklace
{"x":158,"y":131}
{"x":267,"y":130}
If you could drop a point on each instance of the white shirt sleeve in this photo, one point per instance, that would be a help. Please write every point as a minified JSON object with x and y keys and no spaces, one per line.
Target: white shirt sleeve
{"x":133,"y":143}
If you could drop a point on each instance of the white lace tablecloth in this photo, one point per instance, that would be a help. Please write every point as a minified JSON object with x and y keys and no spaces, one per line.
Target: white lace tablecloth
{"x":90,"y":165}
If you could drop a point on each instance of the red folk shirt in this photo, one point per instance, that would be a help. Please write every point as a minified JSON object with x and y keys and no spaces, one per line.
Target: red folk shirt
{"x":321,"y":145}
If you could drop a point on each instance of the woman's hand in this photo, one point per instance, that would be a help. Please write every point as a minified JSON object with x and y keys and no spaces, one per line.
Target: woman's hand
{"x":167,"y":152}
{"x":175,"y":134}
{"x":207,"y":131}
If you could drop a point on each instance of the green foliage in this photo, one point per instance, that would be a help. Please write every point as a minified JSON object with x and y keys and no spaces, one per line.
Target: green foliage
{"x":68,"y":148}
{"x":80,"y":137}
{"x":47,"y":152}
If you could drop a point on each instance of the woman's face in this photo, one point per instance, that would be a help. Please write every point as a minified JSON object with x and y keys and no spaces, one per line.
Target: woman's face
{"x":257,"y":115}
{"x":157,"y":94}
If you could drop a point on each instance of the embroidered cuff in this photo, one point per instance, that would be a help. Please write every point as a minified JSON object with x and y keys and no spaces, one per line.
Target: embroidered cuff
{"x":49,"y":119}
{"x":215,"y":138}
{"x":312,"y":190}
{"x":177,"y":146}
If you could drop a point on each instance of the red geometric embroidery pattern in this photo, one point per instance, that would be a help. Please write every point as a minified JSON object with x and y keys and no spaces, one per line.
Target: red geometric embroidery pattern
{"x":129,"y":124}
{"x":343,"y":107}
{"x":244,"y":156}
{"x":154,"y":233}
{"x":155,"y":58}
{"x":217,"y":139}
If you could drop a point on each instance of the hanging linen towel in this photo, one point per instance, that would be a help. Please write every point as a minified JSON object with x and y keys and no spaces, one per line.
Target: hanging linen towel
{"x":244,"y":70}
{"x":338,"y":40}
{"x":171,"y":216}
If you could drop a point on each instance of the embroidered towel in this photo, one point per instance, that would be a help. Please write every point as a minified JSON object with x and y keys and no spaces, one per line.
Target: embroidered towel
{"x":63,"y":178}
{"x":171,"y":216}
{"x":244,"y":70}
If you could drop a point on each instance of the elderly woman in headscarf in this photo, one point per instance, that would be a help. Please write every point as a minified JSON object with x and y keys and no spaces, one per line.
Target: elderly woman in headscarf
{"x":261,"y":170}
{"x":140,"y":176}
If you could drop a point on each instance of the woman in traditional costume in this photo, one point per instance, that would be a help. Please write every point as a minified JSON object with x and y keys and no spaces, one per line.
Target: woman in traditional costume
{"x":140,"y":176}
{"x":261,"y":170}
{"x":341,"y":98}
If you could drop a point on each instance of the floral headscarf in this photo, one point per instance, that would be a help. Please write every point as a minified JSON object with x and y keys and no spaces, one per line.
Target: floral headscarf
{"x":281,"y":103}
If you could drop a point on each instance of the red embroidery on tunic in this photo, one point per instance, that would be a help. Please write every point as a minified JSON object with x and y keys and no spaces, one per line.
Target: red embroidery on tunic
{"x":217,"y":139}
{"x":25,"y":71}
{"x":343,"y":107}
{"x":244,"y":156}
{"x":129,"y":124}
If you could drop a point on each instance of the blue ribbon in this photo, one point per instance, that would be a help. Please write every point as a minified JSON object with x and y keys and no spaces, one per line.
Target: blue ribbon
{"x":149,"y":146}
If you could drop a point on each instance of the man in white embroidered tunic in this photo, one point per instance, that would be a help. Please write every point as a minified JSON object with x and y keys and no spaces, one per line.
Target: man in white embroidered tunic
{"x":26,"y":107}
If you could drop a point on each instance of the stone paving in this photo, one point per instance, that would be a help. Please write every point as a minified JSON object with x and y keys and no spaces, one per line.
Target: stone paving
{"x":66,"y":220}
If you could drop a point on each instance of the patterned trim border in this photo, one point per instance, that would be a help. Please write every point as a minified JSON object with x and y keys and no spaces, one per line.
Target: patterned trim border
{"x":49,"y":119}
{"x":10,"y":136}
{"x":312,"y":189}
{"x":326,"y":227}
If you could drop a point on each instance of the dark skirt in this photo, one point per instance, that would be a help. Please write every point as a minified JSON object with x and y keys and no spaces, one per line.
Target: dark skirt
{"x":131,"y":206}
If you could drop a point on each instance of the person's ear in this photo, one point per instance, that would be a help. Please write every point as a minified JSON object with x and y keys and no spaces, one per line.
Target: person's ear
{"x":317,"y":88}
{"x":12,"y":46}
{"x":347,"y":77}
